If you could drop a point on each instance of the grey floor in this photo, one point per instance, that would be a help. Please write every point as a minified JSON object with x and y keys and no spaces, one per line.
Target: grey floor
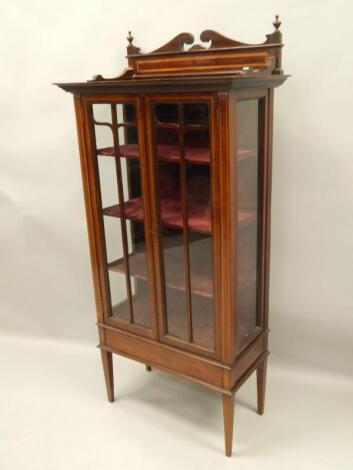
{"x":54,"y":415}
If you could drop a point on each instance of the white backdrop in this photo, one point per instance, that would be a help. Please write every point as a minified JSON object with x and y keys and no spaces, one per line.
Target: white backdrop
{"x":45,"y":278}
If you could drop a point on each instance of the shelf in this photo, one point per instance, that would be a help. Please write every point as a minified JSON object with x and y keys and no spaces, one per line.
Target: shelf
{"x":141,"y":310}
{"x":202,"y":316}
{"x":201,"y":272}
{"x":171,"y":153}
{"x":199,"y":212}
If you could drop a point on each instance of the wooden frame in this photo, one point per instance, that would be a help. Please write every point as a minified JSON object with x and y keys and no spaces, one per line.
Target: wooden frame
{"x":218,"y":77}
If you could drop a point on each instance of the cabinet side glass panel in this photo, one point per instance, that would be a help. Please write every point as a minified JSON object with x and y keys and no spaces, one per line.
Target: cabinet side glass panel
{"x":247,"y":184}
{"x":118,"y":155}
{"x":183,"y":166}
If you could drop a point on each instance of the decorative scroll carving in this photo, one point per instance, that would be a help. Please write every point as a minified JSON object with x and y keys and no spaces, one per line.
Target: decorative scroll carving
{"x":196,"y":47}
{"x":222,"y":55}
{"x":126,"y":74}
{"x":218,"y":40}
{"x":177,"y":43}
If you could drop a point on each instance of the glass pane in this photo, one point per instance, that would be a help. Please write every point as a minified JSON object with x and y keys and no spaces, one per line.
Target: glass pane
{"x":247,"y":184}
{"x":102,"y":112}
{"x":166,"y":112}
{"x":182,"y":156}
{"x":196,"y":113}
{"x":129,"y":113}
{"x":118,"y":155}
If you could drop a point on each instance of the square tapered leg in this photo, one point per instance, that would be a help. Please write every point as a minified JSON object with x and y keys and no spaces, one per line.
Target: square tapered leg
{"x":228,"y":417}
{"x":261,"y":373}
{"x":107,"y":360}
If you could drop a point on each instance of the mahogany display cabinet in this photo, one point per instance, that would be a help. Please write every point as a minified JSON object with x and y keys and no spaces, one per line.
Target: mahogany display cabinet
{"x":176,"y":167}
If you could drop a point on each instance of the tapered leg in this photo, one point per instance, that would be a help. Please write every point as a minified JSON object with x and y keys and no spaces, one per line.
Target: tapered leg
{"x":107,"y":360}
{"x":228,"y":417}
{"x":261,"y":386}
{"x":148,"y":368}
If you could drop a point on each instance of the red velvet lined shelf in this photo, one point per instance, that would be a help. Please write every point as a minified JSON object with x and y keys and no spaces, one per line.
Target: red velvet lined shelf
{"x":199,"y":212}
{"x":171,"y":153}
{"x":171,"y":215}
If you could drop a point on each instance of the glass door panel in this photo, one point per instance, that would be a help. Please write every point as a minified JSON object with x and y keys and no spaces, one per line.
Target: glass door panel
{"x":120,"y":162}
{"x":182,"y":163}
{"x":248,"y":217}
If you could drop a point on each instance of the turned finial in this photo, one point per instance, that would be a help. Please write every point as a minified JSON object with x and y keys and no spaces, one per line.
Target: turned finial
{"x":276,"y":38}
{"x":130,"y":38}
{"x":277,"y":23}
{"x":131,"y":49}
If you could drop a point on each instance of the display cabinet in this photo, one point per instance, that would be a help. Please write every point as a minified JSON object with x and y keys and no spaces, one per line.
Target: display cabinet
{"x":176,"y":166}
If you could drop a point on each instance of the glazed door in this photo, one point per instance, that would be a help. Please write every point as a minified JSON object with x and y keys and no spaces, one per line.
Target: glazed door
{"x":183,"y":171}
{"x":118,"y":159}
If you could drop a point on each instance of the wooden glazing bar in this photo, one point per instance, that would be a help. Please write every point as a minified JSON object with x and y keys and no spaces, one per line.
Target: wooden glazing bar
{"x":108,"y":124}
{"x":166,"y":125}
{"x":155,"y":175}
{"x":187,"y":127}
{"x":100,"y":123}
{"x":184,"y":206}
{"x":122,"y":210}
{"x":127,"y":124}
{"x":191,"y":127}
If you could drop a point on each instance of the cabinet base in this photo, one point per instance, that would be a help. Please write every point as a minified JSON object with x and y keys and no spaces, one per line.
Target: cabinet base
{"x":226,"y":379}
